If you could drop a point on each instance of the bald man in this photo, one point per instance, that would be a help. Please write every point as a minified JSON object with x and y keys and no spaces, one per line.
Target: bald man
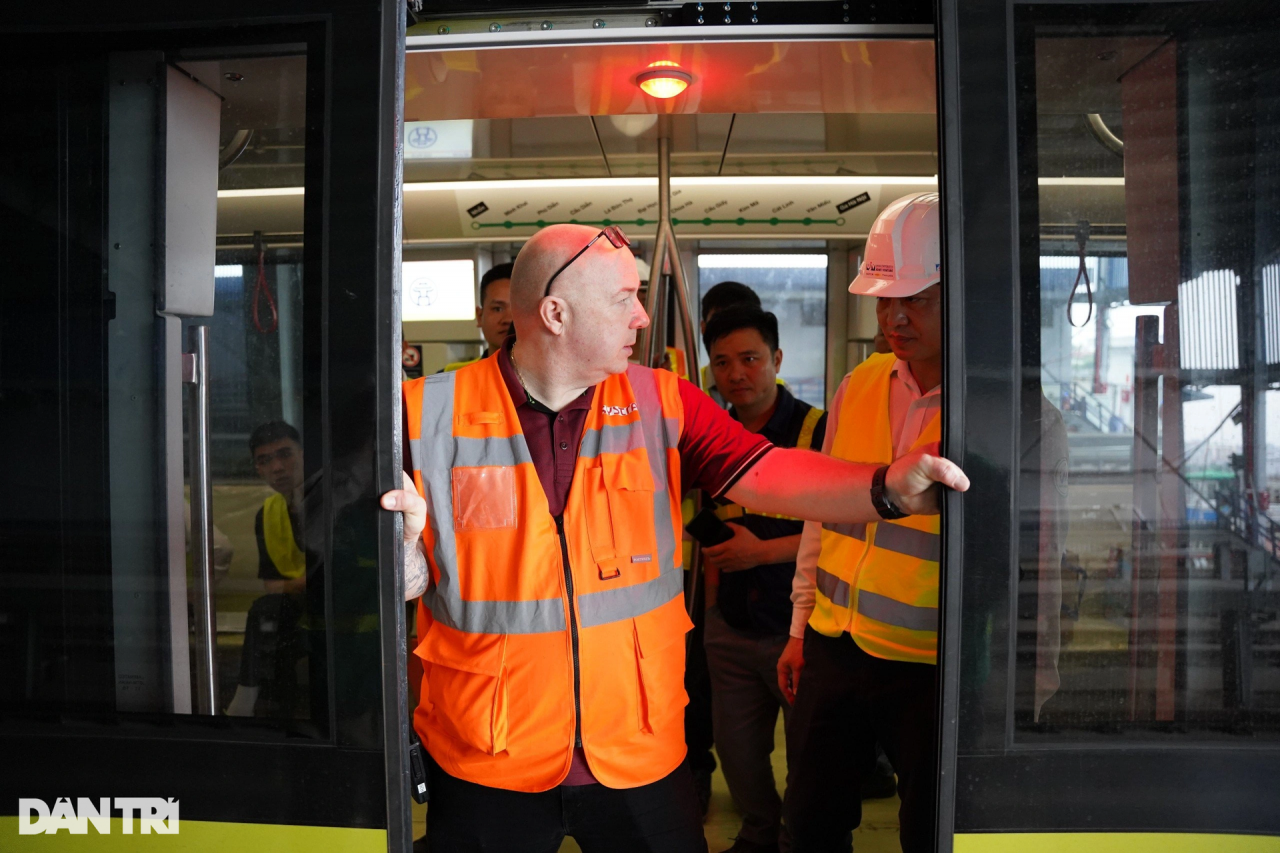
{"x":546,"y":554}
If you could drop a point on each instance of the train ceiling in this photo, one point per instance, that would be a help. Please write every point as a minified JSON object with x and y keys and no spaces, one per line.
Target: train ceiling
{"x":728,"y":77}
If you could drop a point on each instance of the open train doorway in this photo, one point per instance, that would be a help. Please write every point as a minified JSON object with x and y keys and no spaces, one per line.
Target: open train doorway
{"x":761,"y":161}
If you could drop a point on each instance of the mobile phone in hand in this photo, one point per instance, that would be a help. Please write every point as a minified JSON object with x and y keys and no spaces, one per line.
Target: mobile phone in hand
{"x":708,"y":529}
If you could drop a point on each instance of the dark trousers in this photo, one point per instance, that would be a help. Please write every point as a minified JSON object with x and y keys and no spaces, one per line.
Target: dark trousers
{"x":698,"y":729}
{"x":272,"y":641}
{"x":847,"y":700}
{"x":746,"y":701}
{"x":661,"y":817}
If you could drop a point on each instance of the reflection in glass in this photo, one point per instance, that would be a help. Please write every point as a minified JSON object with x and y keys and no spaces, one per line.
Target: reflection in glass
{"x":100,"y":617}
{"x":1149,"y":552}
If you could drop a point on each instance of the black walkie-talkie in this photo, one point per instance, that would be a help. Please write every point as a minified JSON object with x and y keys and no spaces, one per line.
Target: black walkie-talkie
{"x":417,"y":769}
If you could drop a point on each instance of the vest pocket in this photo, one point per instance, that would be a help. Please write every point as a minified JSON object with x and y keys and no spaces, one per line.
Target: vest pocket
{"x":484,"y":498}
{"x":622,"y":538}
{"x":599,"y":521}
{"x":467,"y":684}
{"x":660,"y":637}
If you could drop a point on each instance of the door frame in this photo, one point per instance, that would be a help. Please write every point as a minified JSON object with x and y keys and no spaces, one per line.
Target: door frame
{"x":352,"y":266}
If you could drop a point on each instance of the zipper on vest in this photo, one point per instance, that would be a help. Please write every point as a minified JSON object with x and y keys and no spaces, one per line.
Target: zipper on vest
{"x":573,"y":634}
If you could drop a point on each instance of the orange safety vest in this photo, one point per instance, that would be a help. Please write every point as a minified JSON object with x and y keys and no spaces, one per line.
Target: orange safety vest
{"x":538,"y":634}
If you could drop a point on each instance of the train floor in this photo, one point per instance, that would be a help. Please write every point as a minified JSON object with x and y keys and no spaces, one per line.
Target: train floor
{"x":878,"y":833}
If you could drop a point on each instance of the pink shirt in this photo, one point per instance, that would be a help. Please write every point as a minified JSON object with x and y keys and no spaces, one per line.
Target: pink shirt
{"x":910,"y":411}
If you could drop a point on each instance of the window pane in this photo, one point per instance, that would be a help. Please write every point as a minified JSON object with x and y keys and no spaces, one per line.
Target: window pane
{"x":104,"y":615}
{"x":793,"y":287}
{"x":1149,"y":547}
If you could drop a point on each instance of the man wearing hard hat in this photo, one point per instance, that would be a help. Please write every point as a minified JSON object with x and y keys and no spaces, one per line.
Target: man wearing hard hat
{"x":865,"y":596}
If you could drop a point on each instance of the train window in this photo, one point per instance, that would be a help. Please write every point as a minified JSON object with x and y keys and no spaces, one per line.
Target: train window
{"x":113,"y":620}
{"x":1148,"y":572}
{"x":794,"y":287}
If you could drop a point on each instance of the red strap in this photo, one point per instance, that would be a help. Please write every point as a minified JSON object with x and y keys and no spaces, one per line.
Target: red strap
{"x":260,"y":289}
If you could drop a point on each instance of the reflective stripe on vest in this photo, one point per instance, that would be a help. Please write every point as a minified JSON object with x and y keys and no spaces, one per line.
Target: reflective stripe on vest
{"x":878,"y":581}
{"x":804,"y":441}
{"x":277,"y":533}
{"x":878,"y":607}
{"x":922,"y":544}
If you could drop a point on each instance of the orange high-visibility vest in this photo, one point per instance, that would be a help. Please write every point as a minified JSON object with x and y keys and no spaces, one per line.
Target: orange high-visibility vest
{"x":538,"y":634}
{"x":879,"y":581}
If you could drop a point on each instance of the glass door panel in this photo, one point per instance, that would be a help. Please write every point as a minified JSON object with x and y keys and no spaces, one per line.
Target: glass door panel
{"x":193,"y":568}
{"x":1164,"y":525}
{"x":1114,"y":668}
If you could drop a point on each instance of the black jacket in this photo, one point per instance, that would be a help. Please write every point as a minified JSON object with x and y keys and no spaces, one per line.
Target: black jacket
{"x":758,"y":600}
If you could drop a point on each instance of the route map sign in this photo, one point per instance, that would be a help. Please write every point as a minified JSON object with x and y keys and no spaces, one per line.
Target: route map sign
{"x":698,"y":205}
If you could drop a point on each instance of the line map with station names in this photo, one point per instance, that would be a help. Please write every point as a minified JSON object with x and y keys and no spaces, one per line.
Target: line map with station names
{"x":773,"y":220}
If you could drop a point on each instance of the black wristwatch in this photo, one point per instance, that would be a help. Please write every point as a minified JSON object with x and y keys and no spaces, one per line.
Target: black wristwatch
{"x":880,"y":498}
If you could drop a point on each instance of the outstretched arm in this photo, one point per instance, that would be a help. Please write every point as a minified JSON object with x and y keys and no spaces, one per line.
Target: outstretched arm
{"x":815,"y":487}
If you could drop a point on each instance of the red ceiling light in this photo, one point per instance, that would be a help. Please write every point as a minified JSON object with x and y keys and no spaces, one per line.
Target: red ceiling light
{"x":664,"y":79}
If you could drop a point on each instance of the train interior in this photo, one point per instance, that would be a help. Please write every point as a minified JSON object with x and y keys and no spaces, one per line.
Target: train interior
{"x":780,"y":156}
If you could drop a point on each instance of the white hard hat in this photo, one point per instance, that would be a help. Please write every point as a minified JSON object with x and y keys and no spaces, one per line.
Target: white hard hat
{"x":902,"y":256}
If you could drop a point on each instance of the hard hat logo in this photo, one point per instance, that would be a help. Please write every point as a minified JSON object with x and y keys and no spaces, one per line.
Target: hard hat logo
{"x":902,"y":256}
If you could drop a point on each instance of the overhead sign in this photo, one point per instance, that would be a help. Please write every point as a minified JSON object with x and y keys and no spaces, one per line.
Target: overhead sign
{"x":699,"y":206}
{"x":438,"y":290}
{"x":442,"y":140}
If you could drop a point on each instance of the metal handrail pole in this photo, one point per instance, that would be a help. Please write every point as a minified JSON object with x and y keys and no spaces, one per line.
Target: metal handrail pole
{"x":196,"y":373}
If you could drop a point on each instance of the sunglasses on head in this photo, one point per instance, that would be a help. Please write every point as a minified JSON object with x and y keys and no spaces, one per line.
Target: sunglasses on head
{"x":611,"y":232}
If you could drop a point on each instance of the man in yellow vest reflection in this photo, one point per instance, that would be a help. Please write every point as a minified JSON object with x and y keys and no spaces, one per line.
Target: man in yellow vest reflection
{"x":865,"y":596}
{"x":273,"y":640}
{"x":493,"y":314}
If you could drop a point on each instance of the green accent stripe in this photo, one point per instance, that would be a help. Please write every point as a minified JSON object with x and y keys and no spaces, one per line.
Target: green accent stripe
{"x":1114,"y":842}
{"x":675,"y":221}
{"x":202,"y":836}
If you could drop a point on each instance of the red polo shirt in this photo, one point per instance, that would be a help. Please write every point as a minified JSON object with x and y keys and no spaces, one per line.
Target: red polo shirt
{"x":715,"y":450}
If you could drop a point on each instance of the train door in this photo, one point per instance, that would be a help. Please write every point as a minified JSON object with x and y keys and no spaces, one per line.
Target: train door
{"x":1110,"y":176}
{"x":201,"y":635}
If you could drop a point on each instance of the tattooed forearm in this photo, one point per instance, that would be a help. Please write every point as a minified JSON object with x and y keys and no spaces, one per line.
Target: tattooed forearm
{"x":415,"y":571}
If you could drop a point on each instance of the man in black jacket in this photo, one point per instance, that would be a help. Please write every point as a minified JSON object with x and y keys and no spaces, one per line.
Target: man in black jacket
{"x":748,"y":625}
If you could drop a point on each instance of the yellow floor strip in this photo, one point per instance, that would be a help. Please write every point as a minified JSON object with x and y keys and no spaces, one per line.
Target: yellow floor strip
{"x":201,"y":836}
{"x":1114,"y":842}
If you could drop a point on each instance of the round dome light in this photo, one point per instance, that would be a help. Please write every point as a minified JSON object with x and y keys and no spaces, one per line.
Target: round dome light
{"x":664,"y":79}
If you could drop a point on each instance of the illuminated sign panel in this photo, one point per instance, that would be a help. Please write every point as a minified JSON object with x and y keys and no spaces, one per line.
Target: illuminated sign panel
{"x":438,"y":290}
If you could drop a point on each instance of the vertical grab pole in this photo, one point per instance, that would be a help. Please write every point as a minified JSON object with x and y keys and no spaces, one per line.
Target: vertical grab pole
{"x":682,"y":304}
{"x":651,"y":332}
{"x":195,"y":372}
{"x":655,"y":339}
{"x":667,"y":251}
